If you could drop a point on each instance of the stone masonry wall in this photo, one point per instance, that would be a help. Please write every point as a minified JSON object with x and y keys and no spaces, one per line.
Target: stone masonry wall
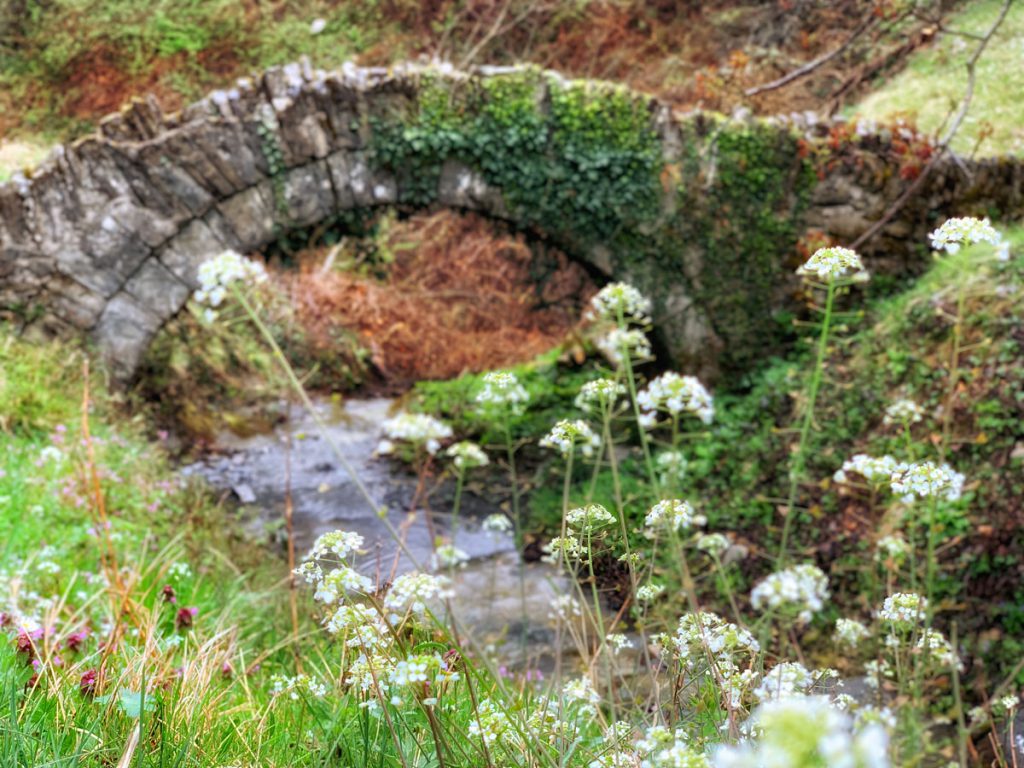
{"x":106,"y":236}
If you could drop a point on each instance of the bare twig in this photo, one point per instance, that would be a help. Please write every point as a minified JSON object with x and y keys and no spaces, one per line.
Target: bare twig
{"x":812,"y":65}
{"x":951,"y":132}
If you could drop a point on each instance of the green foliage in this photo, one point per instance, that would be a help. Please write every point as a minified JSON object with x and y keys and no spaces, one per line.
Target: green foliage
{"x":551,"y":384}
{"x":580,"y":170}
{"x":740,"y":205}
{"x":37,"y":385}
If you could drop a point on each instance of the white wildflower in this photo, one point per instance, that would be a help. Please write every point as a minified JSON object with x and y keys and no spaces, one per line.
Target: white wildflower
{"x":340,"y":543}
{"x":581,"y":691}
{"x":715,"y":544}
{"x":618,"y":642}
{"x":502,"y":389}
{"x":892,"y":547}
{"x":958,"y":232}
{"x":925,"y":480}
{"x":672,"y":514}
{"x":589,"y":518}
{"x":411,"y":591}
{"x":216,"y":275}
{"x":567,"y":434}
{"x":790,"y":679}
{"x":645,"y":593}
{"x":418,"y":429}
{"x":563,"y":608}
{"x":802,"y":589}
{"x":875,"y":470}
{"x":938,"y":648}
{"x":903,"y":412}
{"x":805,"y":731}
{"x":828,"y":264}
{"x":904,"y":610}
{"x":671,"y":466}
{"x":675,"y":394}
{"x":849,"y":632}
{"x":467,"y":455}
{"x":596,"y":396}
{"x":449,"y":556}
{"x":621,"y":301}
{"x":620,"y":343}
{"x":497,"y":523}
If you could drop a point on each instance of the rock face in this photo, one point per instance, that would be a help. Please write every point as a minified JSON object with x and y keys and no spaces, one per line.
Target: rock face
{"x":106,"y":236}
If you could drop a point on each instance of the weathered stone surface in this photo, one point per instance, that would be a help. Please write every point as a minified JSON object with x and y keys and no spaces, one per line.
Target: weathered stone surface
{"x":250,"y":214}
{"x":308,"y":194}
{"x":154,"y":286}
{"x":107,"y":235}
{"x":193,"y":245}
{"x":124,"y":331}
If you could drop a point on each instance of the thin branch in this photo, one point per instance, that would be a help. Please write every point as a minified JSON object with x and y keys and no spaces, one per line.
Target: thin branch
{"x":812,"y":65}
{"x":951,"y":132}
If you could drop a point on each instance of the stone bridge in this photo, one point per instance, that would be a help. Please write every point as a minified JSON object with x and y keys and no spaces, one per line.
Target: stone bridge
{"x":704,"y":213}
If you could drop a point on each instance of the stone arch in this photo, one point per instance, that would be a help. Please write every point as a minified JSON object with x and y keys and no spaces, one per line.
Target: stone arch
{"x":701,"y":212}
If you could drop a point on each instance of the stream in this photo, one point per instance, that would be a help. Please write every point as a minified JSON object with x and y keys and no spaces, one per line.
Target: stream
{"x":488,"y":602}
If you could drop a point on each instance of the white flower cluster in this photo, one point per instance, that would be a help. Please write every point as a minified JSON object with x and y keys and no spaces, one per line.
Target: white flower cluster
{"x":448,"y":556}
{"x":800,"y":589}
{"x":618,"y":642}
{"x":563,"y":608}
{"x":619,"y":343}
{"x":414,"y":428}
{"x":467,"y":455}
{"x":566,"y":434}
{"x":671,"y":466}
{"x":648,"y":592}
{"x":939,"y":650}
{"x":903,"y":412}
{"x":361,"y":625}
{"x":596,"y":396}
{"x":621,"y":300}
{"x":849,"y":632}
{"x":581,"y":691}
{"x":217,"y":274}
{"x":502,"y":389}
{"x":340,"y":581}
{"x":675,"y":394}
{"x":829,"y":264}
{"x":497,"y":523}
{"x":925,"y":480}
{"x":592,"y":517}
{"x":958,"y":232}
{"x":411,"y":591}
{"x":297,"y":687}
{"x":673,"y":515}
{"x":904,"y":610}
{"x":700,"y":634}
{"x":806,"y":731}
{"x":790,"y":679}
{"x":340,"y":543}
{"x":715,"y":544}
{"x":876,"y":471}
{"x":418,"y":675}
{"x":892,"y":547}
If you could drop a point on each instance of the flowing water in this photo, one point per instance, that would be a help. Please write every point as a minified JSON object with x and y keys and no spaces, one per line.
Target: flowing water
{"x":490,"y":600}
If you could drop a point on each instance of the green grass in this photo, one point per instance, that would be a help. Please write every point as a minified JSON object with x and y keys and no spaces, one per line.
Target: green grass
{"x":934,"y":81}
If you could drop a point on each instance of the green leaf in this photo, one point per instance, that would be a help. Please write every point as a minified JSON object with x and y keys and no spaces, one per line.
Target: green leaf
{"x":133,"y":702}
